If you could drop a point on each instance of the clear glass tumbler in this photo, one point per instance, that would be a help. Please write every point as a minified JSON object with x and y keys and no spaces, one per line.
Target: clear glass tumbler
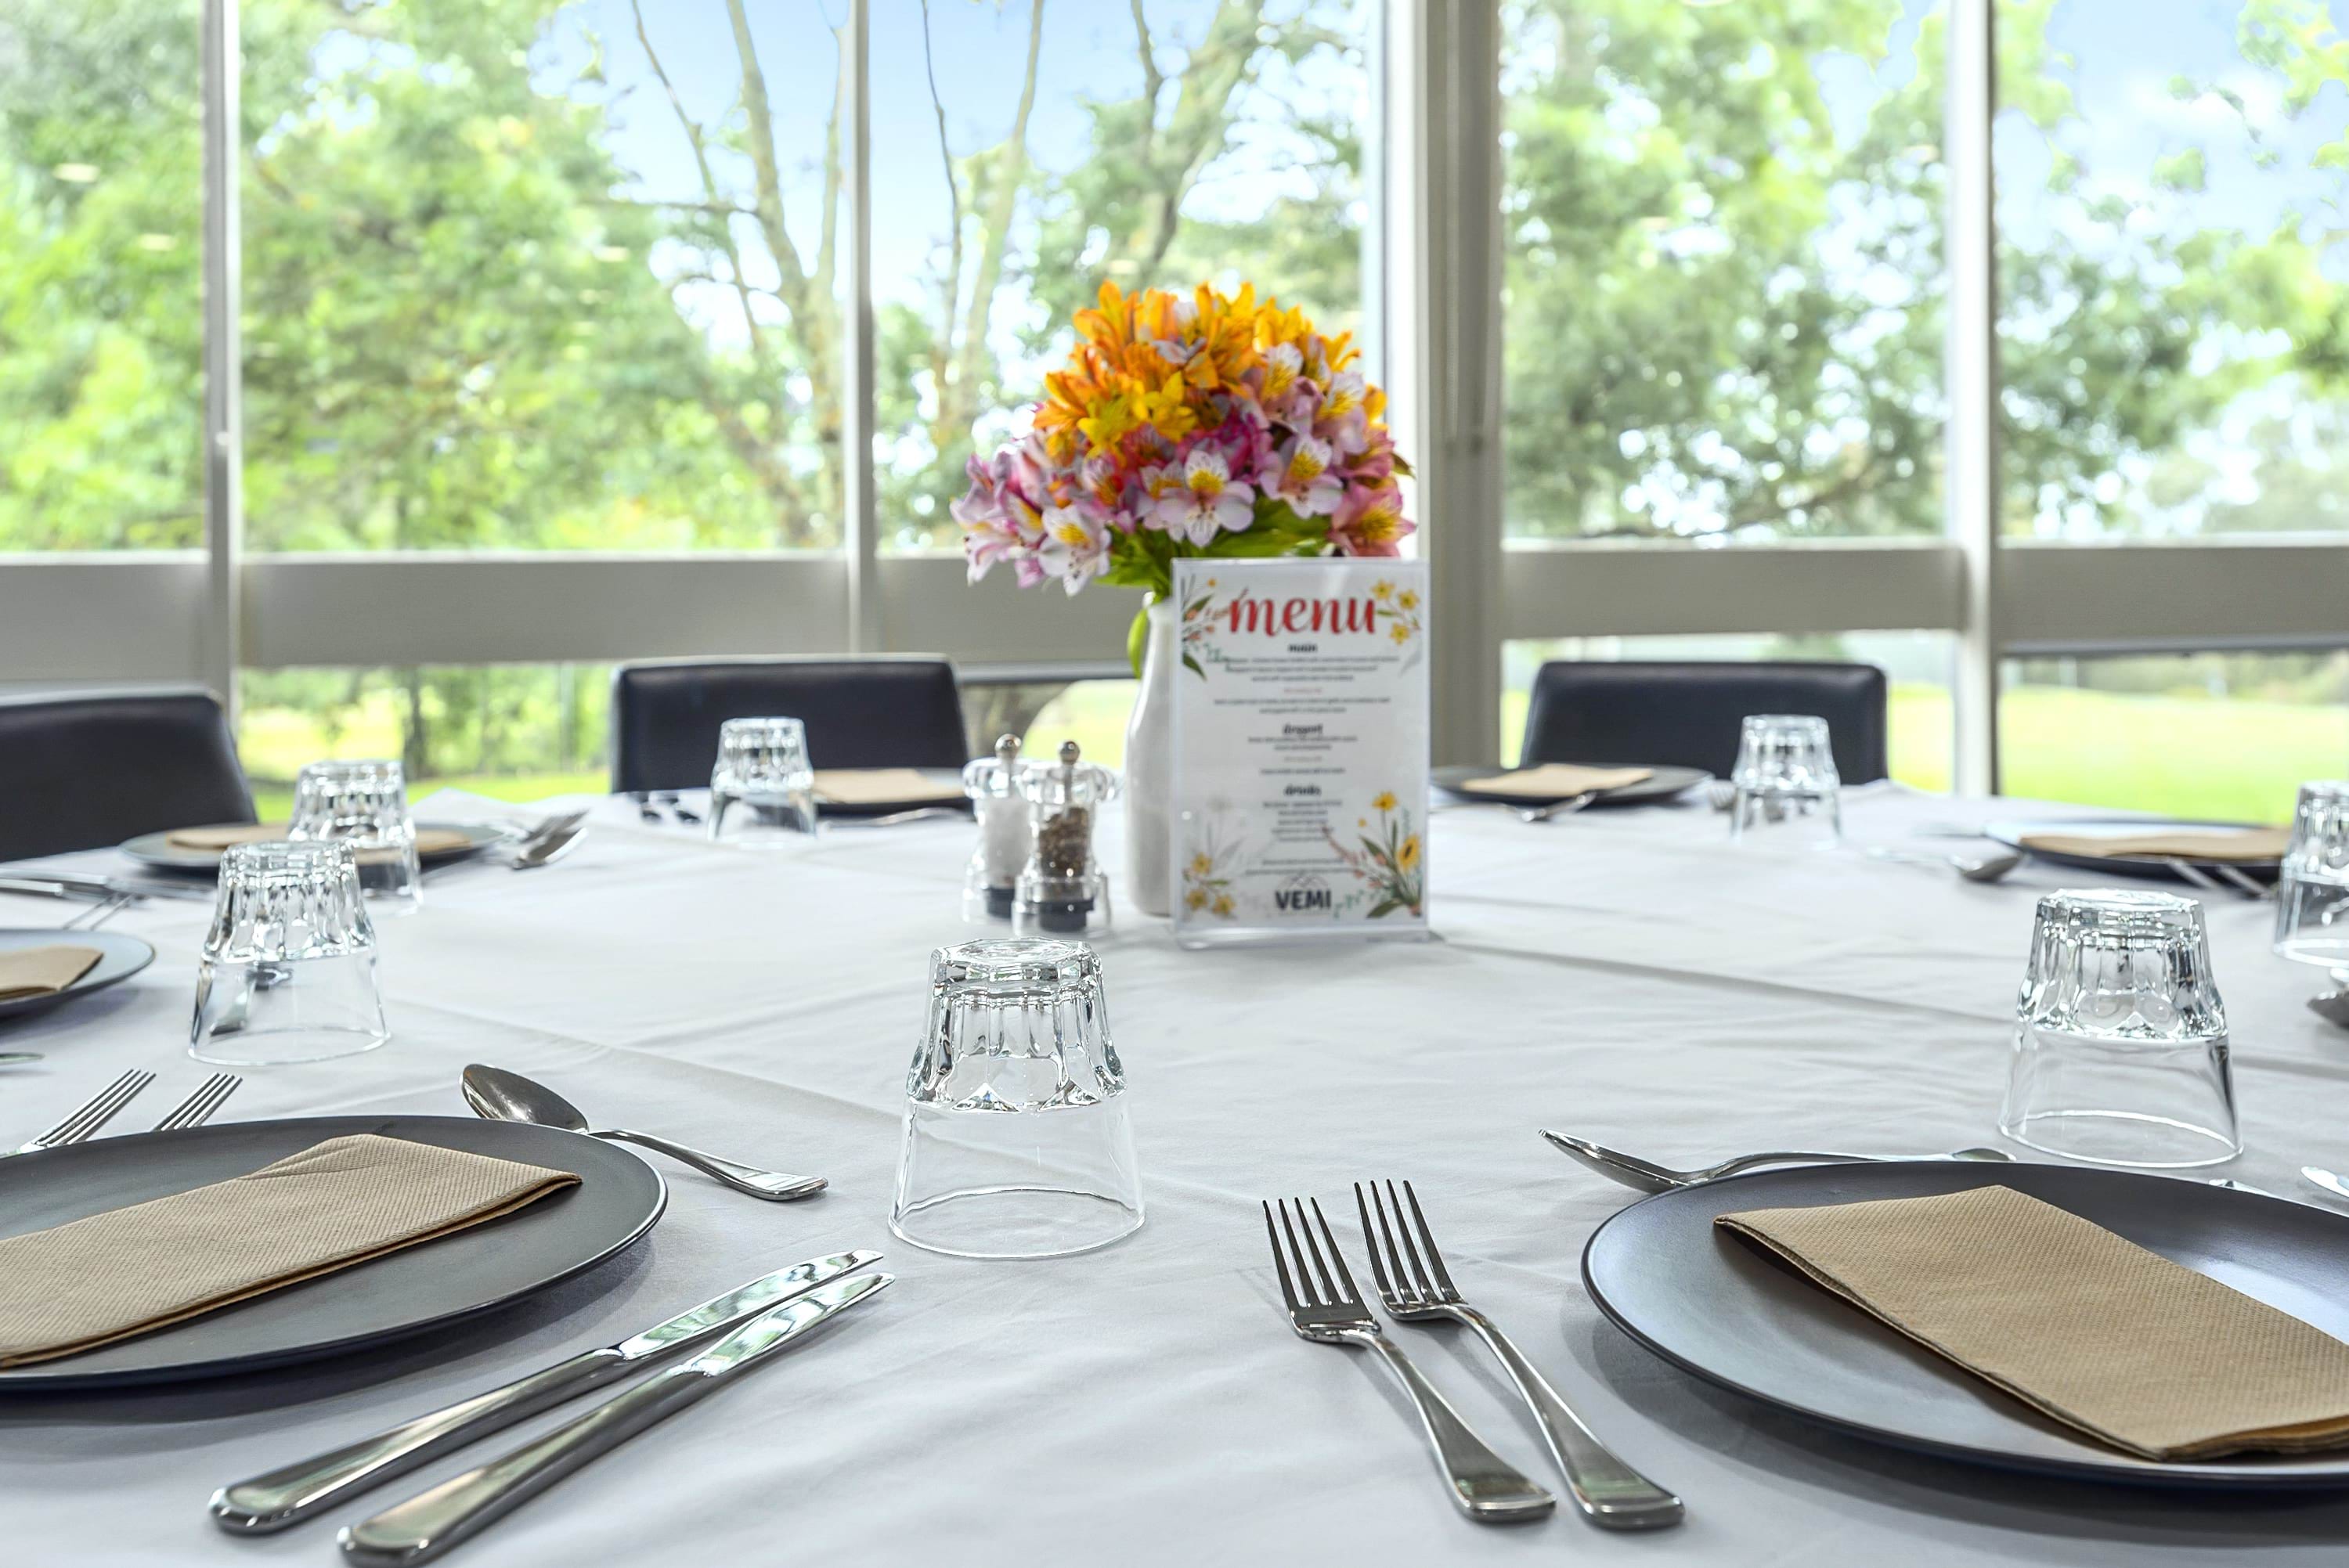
{"x":2312,"y":893}
{"x":763,"y":789}
{"x":1016,"y":1144}
{"x":1787,"y":786}
{"x":363,"y":804}
{"x":2120,"y":1038}
{"x":287,"y":973}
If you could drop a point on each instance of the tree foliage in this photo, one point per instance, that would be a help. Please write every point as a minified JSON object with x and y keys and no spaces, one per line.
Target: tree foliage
{"x":467,"y":324}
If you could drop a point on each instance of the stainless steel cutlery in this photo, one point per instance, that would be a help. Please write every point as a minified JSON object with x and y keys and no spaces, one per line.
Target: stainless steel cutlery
{"x":1415,"y":1287}
{"x":430,"y":1523}
{"x":99,"y":1109}
{"x":543,"y":844}
{"x":199,"y":1107}
{"x":1566,"y":807}
{"x":47,"y":883}
{"x":1988,"y":868}
{"x":1325,"y":1307}
{"x":498,"y":1095}
{"x":295,"y":1491}
{"x":1648,"y":1177}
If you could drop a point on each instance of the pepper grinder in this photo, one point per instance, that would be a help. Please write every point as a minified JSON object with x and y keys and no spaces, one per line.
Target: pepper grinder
{"x":1006,"y":836}
{"x":1063,"y":890}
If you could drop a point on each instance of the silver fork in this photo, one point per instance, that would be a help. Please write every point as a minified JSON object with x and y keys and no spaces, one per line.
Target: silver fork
{"x":97,"y":1113}
{"x":99,"y":913}
{"x":198,"y":1108}
{"x":1608,"y":1492}
{"x":1482,"y":1481}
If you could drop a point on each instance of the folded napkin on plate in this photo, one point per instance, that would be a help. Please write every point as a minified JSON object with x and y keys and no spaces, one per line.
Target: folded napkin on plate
{"x":2097,"y":1332}
{"x":2181,"y":843}
{"x":221,"y":836}
{"x":881,"y":787}
{"x":1559,"y":778}
{"x":39,"y":971}
{"x":428,"y":841}
{"x":126,"y":1272}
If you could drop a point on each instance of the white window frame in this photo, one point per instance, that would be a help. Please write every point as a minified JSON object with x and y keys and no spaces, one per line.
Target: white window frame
{"x":1435,"y":262}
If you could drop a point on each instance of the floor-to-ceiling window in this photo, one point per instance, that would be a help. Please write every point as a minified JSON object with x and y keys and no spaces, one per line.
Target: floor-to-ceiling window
{"x":555,"y":321}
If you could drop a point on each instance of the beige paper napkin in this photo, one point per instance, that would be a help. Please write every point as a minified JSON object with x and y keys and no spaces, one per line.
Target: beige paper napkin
{"x":428,"y":841}
{"x":221,"y":836}
{"x":40,"y":971}
{"x":881,"y":787}
{"x":127,"y":1272}
{"x":1558,"y":778}
{"x":2097,"y":1332}
{"x":2248,"y":845}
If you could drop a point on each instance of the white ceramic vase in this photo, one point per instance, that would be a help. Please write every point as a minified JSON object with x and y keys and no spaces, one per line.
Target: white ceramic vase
{"x":1150,"y":768}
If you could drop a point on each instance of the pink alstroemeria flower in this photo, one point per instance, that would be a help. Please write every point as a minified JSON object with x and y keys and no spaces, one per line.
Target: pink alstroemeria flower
{"x":1301,"y":475}
{"x":1209,"y":502}
{"x":1343,"y":420}
{"x":1370,"y":521}
{"x":1075,"y":546}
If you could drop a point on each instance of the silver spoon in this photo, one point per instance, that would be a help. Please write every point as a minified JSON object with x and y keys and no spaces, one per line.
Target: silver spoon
{"x":1973,"y":868}
{"x":2317,"y":1176}
{"x":501,"y":1096}
{"x":1648,"y":1177}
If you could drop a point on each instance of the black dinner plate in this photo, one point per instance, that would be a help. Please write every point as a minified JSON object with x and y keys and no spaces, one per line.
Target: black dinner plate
{"x":157,"y":848}
{"x":119,"y":957}
{"x":2012,"y":833}
{"x":1722,"y":1308}
{"x":940,"y":776}
{"x":408,"y":1292}
{"x":1664,"y":781}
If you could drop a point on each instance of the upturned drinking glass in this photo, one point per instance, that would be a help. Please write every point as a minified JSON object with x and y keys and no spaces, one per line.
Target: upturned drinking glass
{"x":363,"y":804}
{"x":287,"y":972}
{"x":2313,"y":890}
{"x":1787,"y":787}
{"x":2120,"y":1038}
{"x":1016,"y":1139}
{"x":763,"y":789}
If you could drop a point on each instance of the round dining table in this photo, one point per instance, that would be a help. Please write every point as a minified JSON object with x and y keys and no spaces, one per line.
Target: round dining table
{"x":1630,"y":976}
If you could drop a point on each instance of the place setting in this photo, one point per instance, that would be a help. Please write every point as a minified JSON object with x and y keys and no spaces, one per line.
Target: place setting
{"x":2117,"y":1316}
{"x":1543,"y":790}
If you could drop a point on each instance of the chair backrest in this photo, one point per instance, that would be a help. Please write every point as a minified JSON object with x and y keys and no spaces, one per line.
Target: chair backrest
{"x":860,"y":713}
{"x":90,"y":769}
{"x":1691,"y":713}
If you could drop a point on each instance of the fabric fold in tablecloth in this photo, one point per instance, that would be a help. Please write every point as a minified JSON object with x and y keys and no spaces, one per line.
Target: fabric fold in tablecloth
{"x":129,"y":1270}
{"x":2119,"y":1342}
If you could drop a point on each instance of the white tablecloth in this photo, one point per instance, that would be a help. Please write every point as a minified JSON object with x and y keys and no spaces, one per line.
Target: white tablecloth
{"x":1625,"y":975}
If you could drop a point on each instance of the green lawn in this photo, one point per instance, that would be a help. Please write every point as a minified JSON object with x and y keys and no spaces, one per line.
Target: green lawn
{"x":2196,"y":757}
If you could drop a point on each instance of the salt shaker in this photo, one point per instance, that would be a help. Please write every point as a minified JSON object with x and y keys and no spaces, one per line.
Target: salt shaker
{"x":1063,"y":889}
{"x":1006,"y":836}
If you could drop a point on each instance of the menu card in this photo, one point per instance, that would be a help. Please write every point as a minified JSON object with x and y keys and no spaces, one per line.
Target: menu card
{"x":1300,"y":751}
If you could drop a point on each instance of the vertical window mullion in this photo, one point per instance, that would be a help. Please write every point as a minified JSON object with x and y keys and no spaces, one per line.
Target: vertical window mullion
{"x":860,"y":527}
{"x":1972,"y":489}
{"x":223,"y":436}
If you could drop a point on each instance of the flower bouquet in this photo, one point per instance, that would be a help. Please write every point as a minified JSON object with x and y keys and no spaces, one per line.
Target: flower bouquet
{"x":1208,"y":426}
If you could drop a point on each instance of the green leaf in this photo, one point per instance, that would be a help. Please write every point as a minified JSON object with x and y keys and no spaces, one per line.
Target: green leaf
{"x":1192,"y":665}
{"x":1137,"y":637}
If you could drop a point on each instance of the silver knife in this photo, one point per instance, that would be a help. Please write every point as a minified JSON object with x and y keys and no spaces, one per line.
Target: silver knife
{"x":286,"y":1495}
{"x":431,"y":1521}
{"x":72,"y":884}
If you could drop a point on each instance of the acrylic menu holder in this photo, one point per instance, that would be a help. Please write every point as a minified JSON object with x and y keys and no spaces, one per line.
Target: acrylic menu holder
{"x":1300,"y":751}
